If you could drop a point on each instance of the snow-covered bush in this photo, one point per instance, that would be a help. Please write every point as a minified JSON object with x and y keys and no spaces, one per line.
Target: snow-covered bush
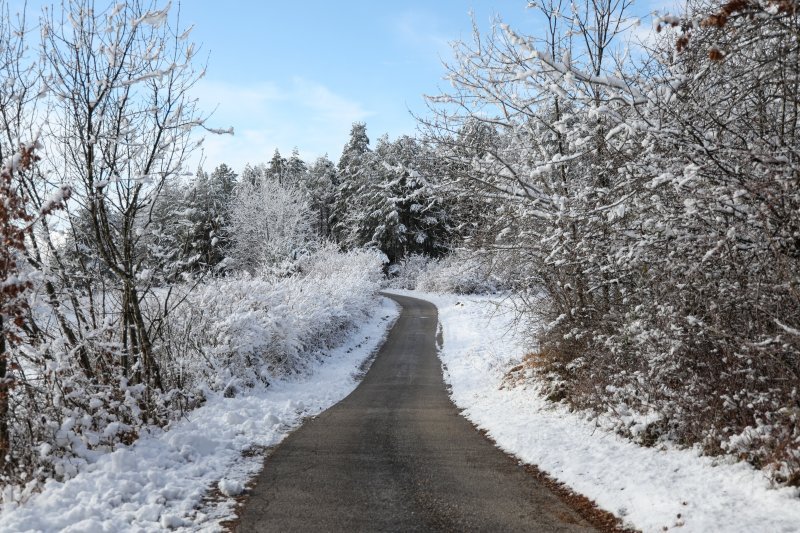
{"x":225,"y":335}
{"x":238,"y":331}
{"x":82,"y":375}
{"x":404,"y":274}
{"x":460,"y":273}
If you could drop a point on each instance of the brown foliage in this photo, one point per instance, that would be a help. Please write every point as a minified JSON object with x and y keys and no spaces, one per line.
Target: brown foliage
{"x":12,"y":215}
{"x":735,"y":8}
{"x":15,"y":221}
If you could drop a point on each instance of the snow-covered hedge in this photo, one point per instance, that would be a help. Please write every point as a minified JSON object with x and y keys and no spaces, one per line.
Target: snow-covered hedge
{"x":404,"y":274}
{"x":459,"y":273}
{"x":234,"y":332}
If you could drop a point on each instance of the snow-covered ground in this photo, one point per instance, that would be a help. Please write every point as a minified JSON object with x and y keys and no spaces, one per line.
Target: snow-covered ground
{"x":161,"y":481}
{"x":650,"y":489}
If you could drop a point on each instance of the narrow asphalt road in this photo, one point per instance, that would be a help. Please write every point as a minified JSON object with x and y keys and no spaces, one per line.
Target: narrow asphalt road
{"x":396,"y":455}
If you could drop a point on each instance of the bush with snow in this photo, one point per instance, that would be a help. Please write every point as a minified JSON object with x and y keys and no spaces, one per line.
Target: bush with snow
{"x":234,"y":332}
{"x":655,"y":201}
{"x":405,"y":273}
{"x":460,"y":272}
{"x":226,"y":335}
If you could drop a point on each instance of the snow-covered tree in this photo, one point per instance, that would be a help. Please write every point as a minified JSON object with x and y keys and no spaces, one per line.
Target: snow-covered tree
{"x":406,"y":214}
{"x":276,"y":169}
{"x":210,"y":201}
{"x":321,"y":184}
{"x":115,"y":116}
{"x":390,"y":198}
{"x":119,"y":80}
{"x":649,"y":200}
{"x":296,"y":170}
{"x":270,"y":226}
{"x":255,"y":173}
{"x":356,"y":172}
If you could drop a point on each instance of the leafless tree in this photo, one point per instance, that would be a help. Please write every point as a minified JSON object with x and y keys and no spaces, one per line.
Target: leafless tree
{"x":119,"y":119}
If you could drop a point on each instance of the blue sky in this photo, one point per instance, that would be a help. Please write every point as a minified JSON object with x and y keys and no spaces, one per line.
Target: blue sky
{"x":288,"y":74}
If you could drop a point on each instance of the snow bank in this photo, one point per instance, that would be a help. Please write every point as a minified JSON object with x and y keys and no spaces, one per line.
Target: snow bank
{"x":160,"y":481}
{"x":650,"y":489}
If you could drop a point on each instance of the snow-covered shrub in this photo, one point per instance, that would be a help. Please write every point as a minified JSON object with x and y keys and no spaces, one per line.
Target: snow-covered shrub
{"x":657,"y":206}
{"x":404,"y":274}
{"x":63,"y":396}
{"x":234,"y":332}
{"x":460,"y":273}
{"x":224,"y":335}
{"x":62,"y":420}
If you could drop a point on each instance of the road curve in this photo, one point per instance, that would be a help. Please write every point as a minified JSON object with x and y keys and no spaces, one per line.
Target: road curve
{"x":395,"y":455}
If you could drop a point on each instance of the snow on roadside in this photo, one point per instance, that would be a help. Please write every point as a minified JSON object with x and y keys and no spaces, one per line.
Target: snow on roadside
{"x":160,"y":481}
{"x":650,"y":489}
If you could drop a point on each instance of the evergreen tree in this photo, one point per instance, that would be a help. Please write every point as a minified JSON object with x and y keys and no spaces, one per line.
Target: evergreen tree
{"x":390,"y":198}
{"x":254,"y":174}
{"x":405,"y":213}
{"x":295,"y":170}
{"x":356,"y":169}
{"x":208,"y":209}
{"x":355,"y":149}
{"x":322,"y":185}
{"x":276,"y":169}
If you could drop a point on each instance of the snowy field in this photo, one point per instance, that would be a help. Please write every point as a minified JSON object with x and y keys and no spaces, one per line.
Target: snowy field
{"x":650,"y":489}
{"x":160,"y":481}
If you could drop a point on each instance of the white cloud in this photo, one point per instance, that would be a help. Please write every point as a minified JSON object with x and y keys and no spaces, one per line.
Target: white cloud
{"x":421,"y":30}
{"x":269,"y":115}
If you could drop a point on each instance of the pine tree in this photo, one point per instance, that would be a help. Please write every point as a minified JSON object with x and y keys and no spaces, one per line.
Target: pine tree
{"x":322,"y":185}
{"x":356,"y":170}
{"x":276,"y":169}
{"x":295,"y":170}
{"x":406,"y":213}
{"x":254,"y":174}
{"x":208,"y":207}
